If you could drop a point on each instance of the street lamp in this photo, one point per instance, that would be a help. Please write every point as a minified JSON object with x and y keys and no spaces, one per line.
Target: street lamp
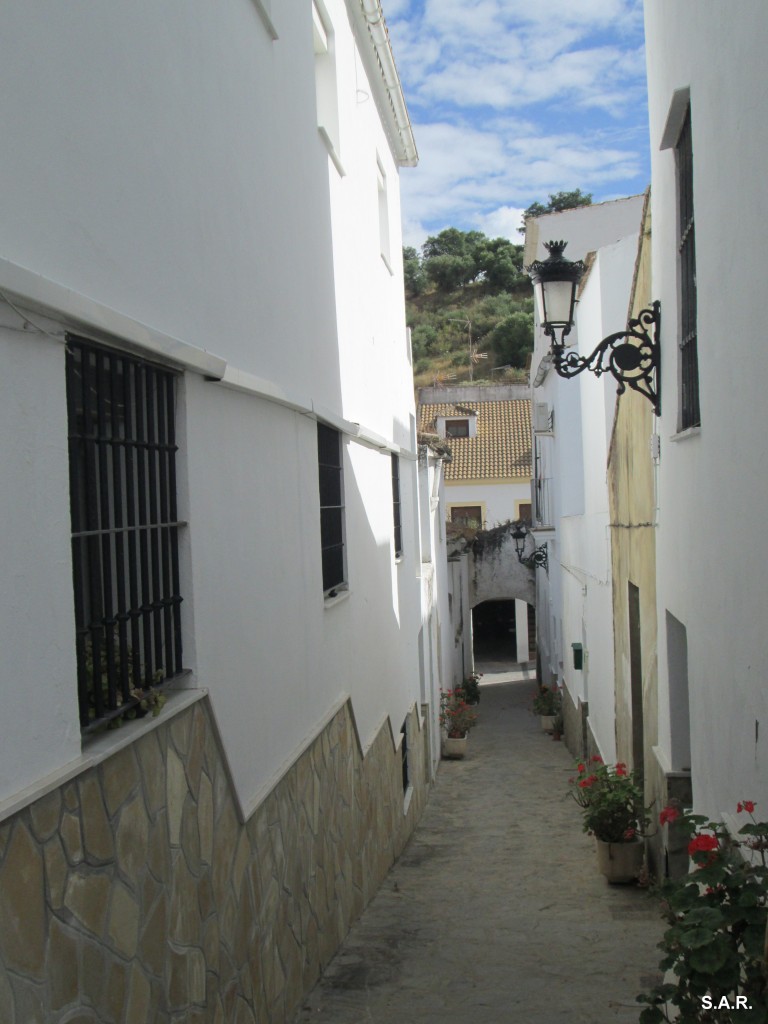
{"x":538,"y":557}
{"x":632,"y":357}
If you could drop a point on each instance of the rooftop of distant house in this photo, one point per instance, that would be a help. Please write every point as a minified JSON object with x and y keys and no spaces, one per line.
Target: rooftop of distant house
{"x":489,"y":438}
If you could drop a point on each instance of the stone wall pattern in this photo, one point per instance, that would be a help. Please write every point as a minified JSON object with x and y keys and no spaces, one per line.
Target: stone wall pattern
{"x":135,"y":895}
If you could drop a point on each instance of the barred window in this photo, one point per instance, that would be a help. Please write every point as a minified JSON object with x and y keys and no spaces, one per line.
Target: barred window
{"x":396,"y":505}
{"x":331,"y":472}
{"x":689,"y":361}
{"x":122,"y":450}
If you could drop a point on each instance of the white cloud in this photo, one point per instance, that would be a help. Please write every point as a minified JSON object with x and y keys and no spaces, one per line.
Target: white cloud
{"x":512,"y":100}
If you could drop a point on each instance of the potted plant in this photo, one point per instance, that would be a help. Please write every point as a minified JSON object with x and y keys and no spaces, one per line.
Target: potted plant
{"x":471,"y":688}
{"x":546,"y":704}
{"x":715,"y":947}
{"x":456,"y":718}
{"x":611,"y":799}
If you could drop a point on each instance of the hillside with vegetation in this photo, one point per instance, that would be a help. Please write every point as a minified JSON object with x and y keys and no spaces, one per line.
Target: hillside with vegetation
{"x":469,"y":303}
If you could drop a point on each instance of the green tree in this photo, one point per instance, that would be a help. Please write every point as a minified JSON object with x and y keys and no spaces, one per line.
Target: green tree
{"x":413,"y":272}
{"x":450,"y":259}
{"x":501,"y":264}
{"x":558,"y":201}
{"x":512,"y":338}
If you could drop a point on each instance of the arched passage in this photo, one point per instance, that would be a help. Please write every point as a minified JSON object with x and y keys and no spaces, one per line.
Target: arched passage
{"x":503,"y":598}
{"x":504,"y":630}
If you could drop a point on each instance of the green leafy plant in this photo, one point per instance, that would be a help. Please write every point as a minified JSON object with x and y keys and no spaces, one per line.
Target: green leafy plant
{"x":456,"y":716}
{"x":611,"y":799}
{"x":715,"y":947}
{"x":146,"y":699}
{"x":471,"y":688}
{"x":546,"y":700}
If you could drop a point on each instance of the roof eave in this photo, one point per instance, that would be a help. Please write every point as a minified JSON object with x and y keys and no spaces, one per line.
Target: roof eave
{"x":376,"y":52}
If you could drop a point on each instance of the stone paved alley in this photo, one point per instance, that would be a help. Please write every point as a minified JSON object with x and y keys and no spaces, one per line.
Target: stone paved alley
{"x":496,"y":913}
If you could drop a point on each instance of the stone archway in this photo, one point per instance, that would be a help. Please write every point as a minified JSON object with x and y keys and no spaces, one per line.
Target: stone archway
{"x":501,"y":589}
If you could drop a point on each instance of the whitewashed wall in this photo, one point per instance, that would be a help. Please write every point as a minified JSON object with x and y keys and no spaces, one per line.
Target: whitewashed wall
{"x":168,"y":189}
{"x":574,"y":600}
{"x":712,"y":546}
{"x":500,"y":501}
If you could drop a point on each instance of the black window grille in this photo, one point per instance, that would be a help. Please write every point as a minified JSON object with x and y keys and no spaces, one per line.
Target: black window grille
{"x":329,"y":456}
{"x":122,"y":449}
{"x":689,"y":361}
{"x":396,"y":505}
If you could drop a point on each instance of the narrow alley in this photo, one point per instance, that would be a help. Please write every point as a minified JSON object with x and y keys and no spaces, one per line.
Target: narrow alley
{"x":496,"y":911}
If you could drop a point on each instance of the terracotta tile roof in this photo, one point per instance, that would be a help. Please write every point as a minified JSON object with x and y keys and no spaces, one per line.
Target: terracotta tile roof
{"x":502,"y":447}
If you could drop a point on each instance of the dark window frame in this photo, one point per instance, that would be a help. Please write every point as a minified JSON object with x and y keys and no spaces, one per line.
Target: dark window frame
{"x":396,"y":506}
{"x":690,"y":413}
{"x":125,"y":528}
{"x":454,"y":427}
{"x":330,"y":461}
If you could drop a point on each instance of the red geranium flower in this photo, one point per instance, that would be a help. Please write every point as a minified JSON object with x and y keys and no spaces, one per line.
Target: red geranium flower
{"x":581,"y":767}
{"x":747,"y":805}
{"x":621,"y":768}
{"x":704,"y":844}
{"x":669,"y":814}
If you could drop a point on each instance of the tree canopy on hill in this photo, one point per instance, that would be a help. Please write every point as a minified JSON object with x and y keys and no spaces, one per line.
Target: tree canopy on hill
{"x":558,"y":201}
{"x":467,"y":293}
{"x":469,"y":301}
{"x":454,"y":259}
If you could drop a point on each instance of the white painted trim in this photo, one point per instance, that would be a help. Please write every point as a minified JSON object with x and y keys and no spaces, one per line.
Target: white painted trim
{"x":35,"y":293}
{"x":328,"y":142}
{"x":376,"y":52}
{"x":249,"y":384}
{"x":677,"y":110}
{"x":266,"y":17}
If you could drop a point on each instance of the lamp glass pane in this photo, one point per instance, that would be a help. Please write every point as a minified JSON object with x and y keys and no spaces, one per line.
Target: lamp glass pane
{"x":558,"y":296}
{"x":539,"y":298}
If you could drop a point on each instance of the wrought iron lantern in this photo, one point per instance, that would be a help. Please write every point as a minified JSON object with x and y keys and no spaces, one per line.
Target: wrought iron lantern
{"x":538,"y":557}
{"x":632,"y":356}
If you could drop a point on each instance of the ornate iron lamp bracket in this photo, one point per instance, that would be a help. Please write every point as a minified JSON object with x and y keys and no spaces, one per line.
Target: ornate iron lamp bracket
{"x":632,"y":357}
{"x":538,"y":559}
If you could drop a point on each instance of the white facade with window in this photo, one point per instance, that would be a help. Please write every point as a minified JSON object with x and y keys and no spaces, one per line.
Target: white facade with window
{"x":214,"y":190}
{"x":572,"y":433}
{"x":706,"y":61}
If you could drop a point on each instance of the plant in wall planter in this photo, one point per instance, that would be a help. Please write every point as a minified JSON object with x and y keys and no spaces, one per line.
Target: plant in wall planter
{"x":611,"y":799}
{"x":456,"y":718}
{"x":547,"y":705}
{"x":716,"y":944}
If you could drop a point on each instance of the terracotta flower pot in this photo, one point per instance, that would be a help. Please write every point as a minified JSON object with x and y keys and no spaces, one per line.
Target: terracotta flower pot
{"x":454,"y":747}
{"x":621,"y":862}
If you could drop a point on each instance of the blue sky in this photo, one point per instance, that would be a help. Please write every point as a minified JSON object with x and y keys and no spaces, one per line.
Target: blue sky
{"x":511,"y":100}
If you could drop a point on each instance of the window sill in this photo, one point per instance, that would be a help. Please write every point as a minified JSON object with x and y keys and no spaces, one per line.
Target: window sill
{"x":683,"y":435}
{"x":97,"y":748}
{"x":328,"y":141}
{"x":407,"y":797}
{"x":333,"y":599}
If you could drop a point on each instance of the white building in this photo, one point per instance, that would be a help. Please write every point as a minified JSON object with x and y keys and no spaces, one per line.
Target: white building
{"x":487,"y":484}
{"x":709,"y":143}
{"x":573,"y":420}
{"x":201,"y":297}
